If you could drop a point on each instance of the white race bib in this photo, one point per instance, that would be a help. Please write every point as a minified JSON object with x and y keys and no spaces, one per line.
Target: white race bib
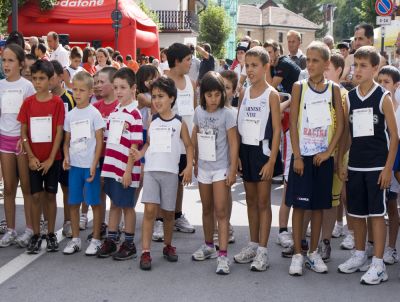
{"x":251,"y":129}
{"x":206,"y":145}
{"x":115,"y":131}
{"x":80,"y":129}
{"x":11,"y":101}
{"x":185,"y":104}
{"x":160,"y":139}
{"x":41,"y":129}
{"x":318,"y":114}
{"x":363,"y":122}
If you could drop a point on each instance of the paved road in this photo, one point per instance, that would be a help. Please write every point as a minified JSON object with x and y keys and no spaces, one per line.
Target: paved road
{"x":55,"y":277}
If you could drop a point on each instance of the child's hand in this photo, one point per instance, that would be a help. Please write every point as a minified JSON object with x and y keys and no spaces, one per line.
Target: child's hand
{"x":342,"y":173}
{"x":239,"y":169}
{"x":196,"y":169}
{"x":92,"y":174}
{"x":20,"y":146}
{"x":320,"y":158}
{"x":187,"y":176}
{"x":385,"y":178}
{"x":267,"y":171}
{"x":135,"y":153}
{"x":66,"y":165}
{"x":34,"y":164}
{"x":46,"y":165}
{"x":231,"y":177}
{"x":298,"y":166}
{"x":126,"y":180}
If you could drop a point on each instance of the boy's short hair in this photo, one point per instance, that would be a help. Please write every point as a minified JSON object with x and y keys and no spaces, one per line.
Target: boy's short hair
{"x":42,"y":48}
{"x":58,"y":69}
{"x":322,"y":48}
{"x":84,"y":76}
{"x":337,"y":61}
{"x":392,"y":72}
{"x":212,"y":81}
{"x":30,"y":56}
{"x":128,"y":57}
{"x":127,"y":74}
{"x":294,"y":33}
{"x":177,"y":51}
{"x":110,"y":71}
{"x":271,"y":43}
{"x":167,"y":85}
{"x":231,"y":76}
{"x":260,"y":53}
{"x":370,"y":53}
{"x":76,"y":52}
{"x":44,"y":66}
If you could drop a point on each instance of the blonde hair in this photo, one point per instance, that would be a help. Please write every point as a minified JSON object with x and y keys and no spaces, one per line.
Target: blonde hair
{"x":322,"y":48}
{"x":84,"y":76}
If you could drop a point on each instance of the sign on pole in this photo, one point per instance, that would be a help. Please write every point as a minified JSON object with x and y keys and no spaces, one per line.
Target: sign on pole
{"x":384,"y":7}
{"x":383,"y":20}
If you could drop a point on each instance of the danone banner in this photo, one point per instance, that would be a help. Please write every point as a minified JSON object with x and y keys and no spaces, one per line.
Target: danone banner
{"x":79,"y":3}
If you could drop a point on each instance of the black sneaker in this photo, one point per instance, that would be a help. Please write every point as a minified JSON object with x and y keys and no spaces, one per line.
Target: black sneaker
{"x":126,"y":251}
{"x":103,"y":232}
{"x":52,"y":243}
{"x":35,"y":244}
{"x":107,"y":248}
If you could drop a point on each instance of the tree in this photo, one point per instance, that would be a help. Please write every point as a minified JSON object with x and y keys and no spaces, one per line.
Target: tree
{"x":214,"y":28}
{"x":367,"y":11}
{"x":346,"y":18}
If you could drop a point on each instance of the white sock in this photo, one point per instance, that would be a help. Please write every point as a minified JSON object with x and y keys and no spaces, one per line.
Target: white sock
{"x":360,"y":254}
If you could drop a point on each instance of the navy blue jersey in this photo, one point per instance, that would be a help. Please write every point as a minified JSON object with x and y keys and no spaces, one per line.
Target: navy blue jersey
{"x":369,"y":153}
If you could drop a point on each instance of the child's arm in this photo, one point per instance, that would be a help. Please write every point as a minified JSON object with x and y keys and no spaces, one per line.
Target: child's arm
{"x":97,"y":154}
{"x":237,"y":132}
{"x":187,"y":173}
{"x":195,"y":150}
{"x":321,"y":157}
{"x":138,"y":154}
{"x":267,"y":170}
{"x":344,"y":144}
{"x":46,"y":165}
{"x":67,"y":140}
{"x":143,"y":101}
{"x":194,"y":94}
{"x":34,"y":163}
{"x":233,"y":155}
{"x":298,"y":165}
{"x":385,"y":176}
{"x":127,"y":177}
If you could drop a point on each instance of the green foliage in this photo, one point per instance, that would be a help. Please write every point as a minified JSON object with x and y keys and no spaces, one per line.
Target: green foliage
{"x":367,"y":11}
{"x":346,"y":18}
{"x":214,"y":28}
{"x":152,"y":15}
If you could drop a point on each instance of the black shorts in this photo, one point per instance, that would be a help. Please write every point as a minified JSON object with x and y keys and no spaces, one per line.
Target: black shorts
{"x":182,"y":166}
{"x":364,"y":196}
{"x":63,"y":176}
{"x":313,"y":190}
{"x":390,"y":195}
{"x":253,"y":159}
{"x":50,"y":179}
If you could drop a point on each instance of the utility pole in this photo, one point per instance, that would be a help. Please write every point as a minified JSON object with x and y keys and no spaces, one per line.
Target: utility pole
{"x":14,"y":14}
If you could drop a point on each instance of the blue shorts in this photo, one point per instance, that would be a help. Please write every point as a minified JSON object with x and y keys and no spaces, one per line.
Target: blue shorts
{"x":80,"y":190}
{"x":120,"y":197}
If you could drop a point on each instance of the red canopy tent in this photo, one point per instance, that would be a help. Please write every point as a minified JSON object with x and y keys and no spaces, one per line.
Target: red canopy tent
{"x":89,"y":20}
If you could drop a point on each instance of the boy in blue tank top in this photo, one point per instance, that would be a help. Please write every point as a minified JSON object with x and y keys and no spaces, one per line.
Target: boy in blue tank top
{"x":370,"y":115}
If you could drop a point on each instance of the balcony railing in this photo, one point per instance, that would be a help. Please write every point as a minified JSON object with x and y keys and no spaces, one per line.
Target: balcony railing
{"x":177,"y":21}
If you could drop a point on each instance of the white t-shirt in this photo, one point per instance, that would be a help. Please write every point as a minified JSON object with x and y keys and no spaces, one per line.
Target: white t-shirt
{"x":164,"y":66}
{"x":12,"y":95}
{"x":61,"y":55}
{"x":83,"y":124}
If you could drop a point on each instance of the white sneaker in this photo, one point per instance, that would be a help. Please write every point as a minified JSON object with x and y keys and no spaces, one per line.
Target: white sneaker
{"x":3,"y":226}
{"x":354,"y":264}
{"x":348,"y":242}
{"x":390,"y":256}
{"x":8,"y":238}
{"x":67,"y":229}
{"x":296,"y":266}
{"x":284,"y":239}
{"x":247,"y":254}
{"x":375,"y":274}
{"x":183,"y":225}
{"x":23,"y":239}
{"x":222,"y":265}
{"x":158,"y":231}
{"x":261,"y":261}
{"x":73,"y":246}
{"x":231,"y":238}
{"x":314,"y":262}
{"x":337,"y":231}
{"x":93,"y":247}
{"x":83,"y":221}
{"x":369,"y":249}
{"x":205,"y":252}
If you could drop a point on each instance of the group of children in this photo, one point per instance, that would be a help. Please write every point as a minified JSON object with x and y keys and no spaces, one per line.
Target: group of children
{"x":150,"y":133}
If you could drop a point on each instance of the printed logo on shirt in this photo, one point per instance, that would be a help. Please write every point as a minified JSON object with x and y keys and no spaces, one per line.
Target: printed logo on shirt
{"x":375,"y":116}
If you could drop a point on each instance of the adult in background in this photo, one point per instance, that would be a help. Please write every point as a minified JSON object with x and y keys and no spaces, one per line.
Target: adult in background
{"x":294,"y":40}
{"x":329,"y":41}
{"x":195,"y":66}
{"x":344,"y":49}
{"x":59,"y":53}
{"x":207,"y":63}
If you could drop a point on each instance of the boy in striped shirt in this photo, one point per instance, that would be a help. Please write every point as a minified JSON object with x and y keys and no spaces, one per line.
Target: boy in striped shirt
{"x":121,"y":173}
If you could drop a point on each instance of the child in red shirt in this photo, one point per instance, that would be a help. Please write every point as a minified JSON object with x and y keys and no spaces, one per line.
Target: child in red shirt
{"x":42,"y":120}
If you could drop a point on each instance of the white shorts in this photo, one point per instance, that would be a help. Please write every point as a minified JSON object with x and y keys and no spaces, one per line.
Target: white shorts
{"x":208,"y":177}
{"x":287,"y":153}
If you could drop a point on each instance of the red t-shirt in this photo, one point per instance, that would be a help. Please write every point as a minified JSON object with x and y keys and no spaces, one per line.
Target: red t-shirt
{"x":31,"y":107}
{"x":89,"y":68}
{"x":105,"y":111}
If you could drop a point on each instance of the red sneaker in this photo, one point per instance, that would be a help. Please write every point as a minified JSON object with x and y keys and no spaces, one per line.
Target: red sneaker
{"x":145,"y":261}
{"x":169,"y":253}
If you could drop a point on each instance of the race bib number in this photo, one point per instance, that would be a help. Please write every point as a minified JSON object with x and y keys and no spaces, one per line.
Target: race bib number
{"x":41,"y":129}
{"x":207,"y":148}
